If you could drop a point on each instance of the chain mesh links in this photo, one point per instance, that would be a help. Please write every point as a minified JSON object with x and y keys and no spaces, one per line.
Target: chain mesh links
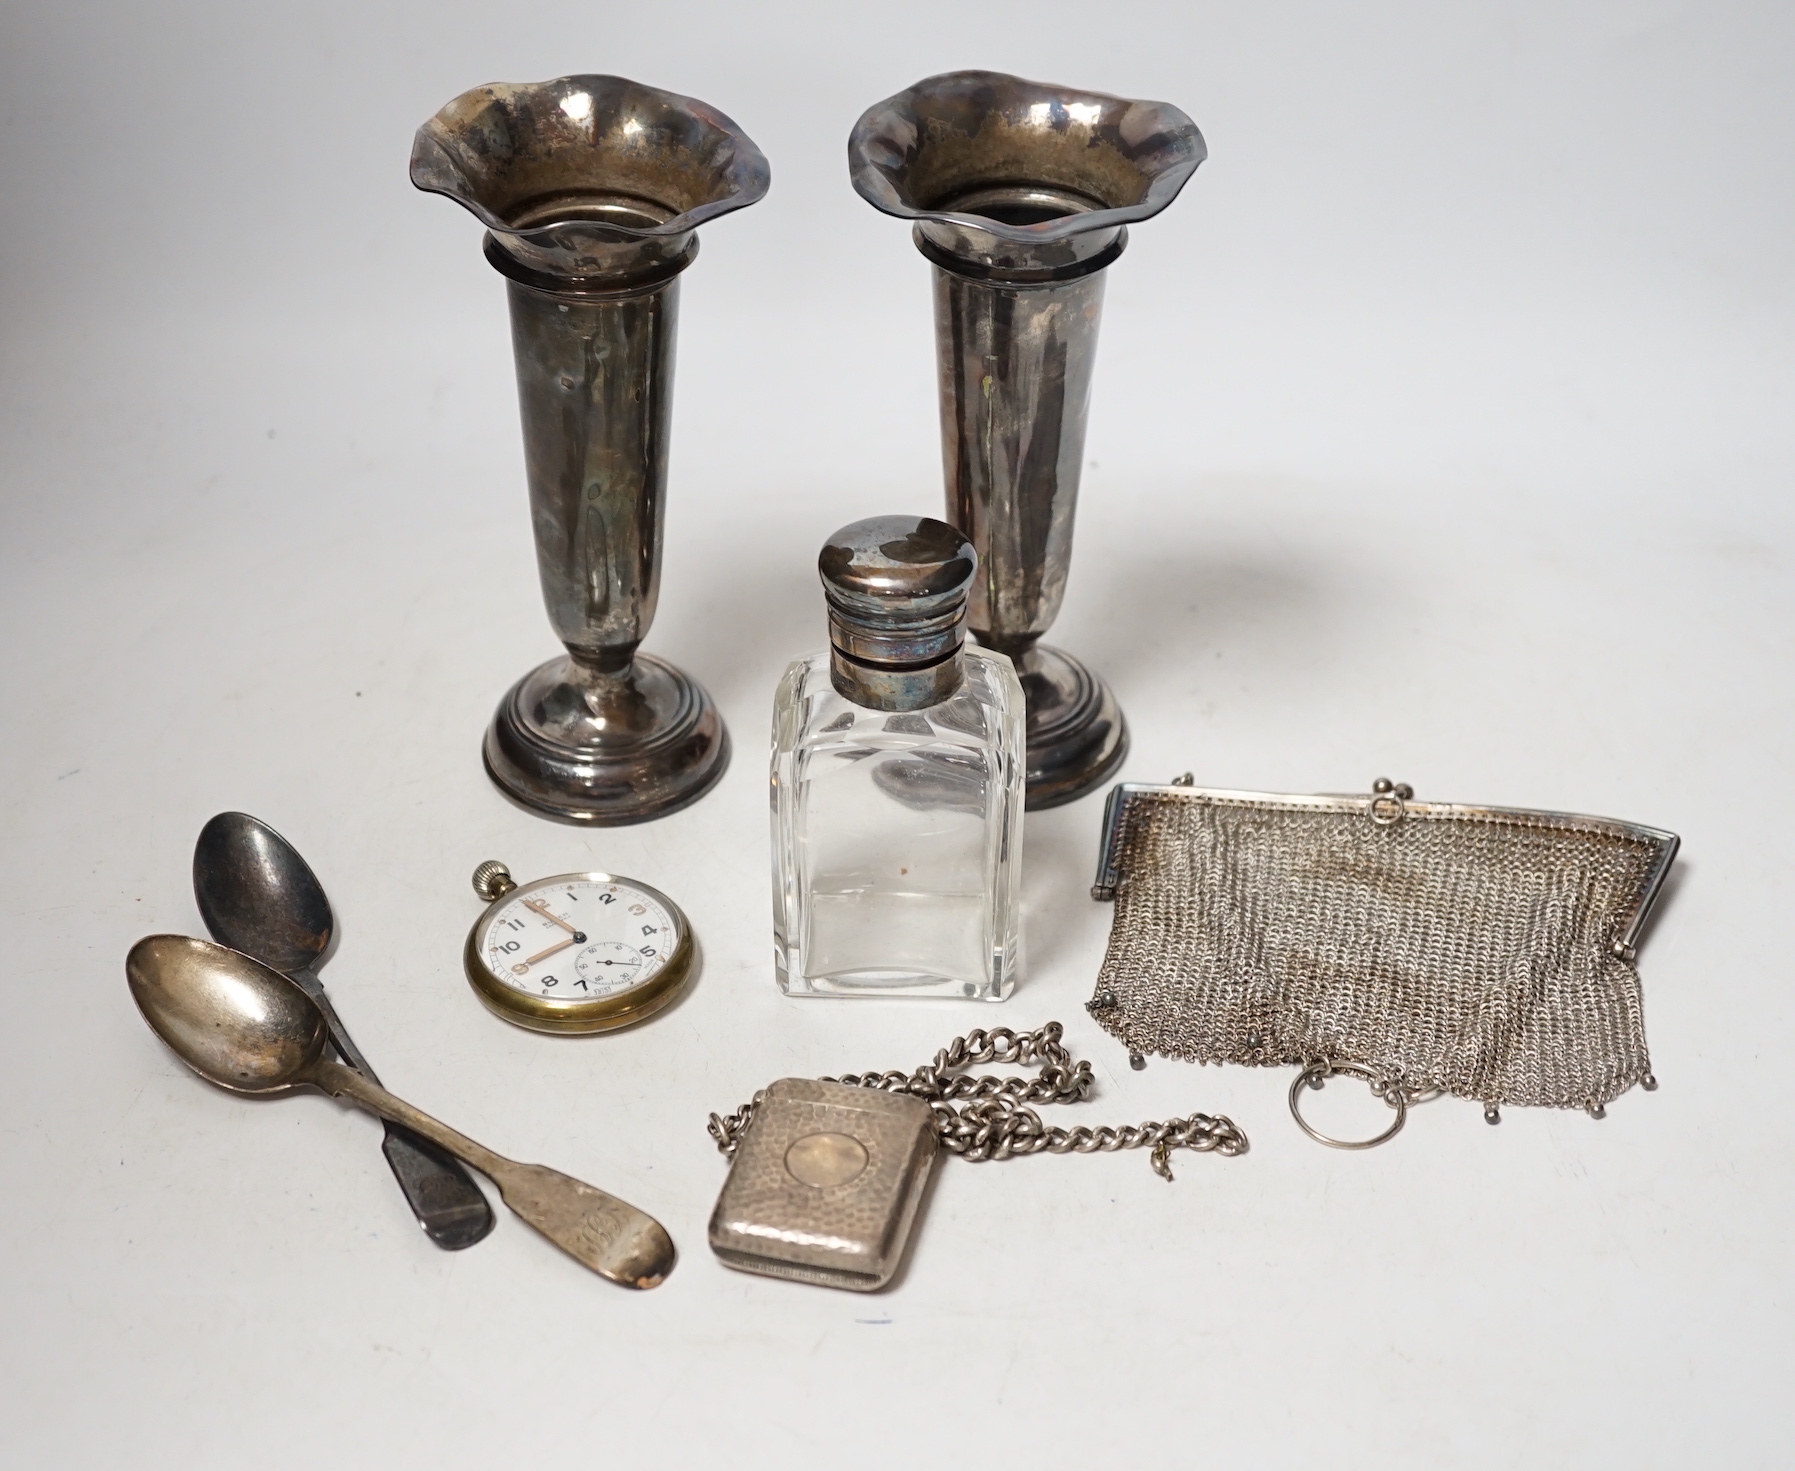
{"x":996,"y":1120}
{"x":1472,"y":951}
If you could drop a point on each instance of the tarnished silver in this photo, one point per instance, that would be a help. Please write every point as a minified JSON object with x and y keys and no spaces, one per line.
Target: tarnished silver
{"x":256,"y":894}
{"x":247,"y":1028}
{"x":1021,"y":193}
{"x":591,"y":189}
{"x":1424,"y":946}
{"x":997,"y":1122}
{"x":896,"y":589}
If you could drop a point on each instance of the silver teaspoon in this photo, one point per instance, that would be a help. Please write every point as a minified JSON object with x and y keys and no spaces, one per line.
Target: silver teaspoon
{"x":247,"y":1028}
{"x":257,"y":895}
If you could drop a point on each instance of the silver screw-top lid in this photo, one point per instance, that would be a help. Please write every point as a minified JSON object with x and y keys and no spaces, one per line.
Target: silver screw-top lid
{"x":897,"y":588}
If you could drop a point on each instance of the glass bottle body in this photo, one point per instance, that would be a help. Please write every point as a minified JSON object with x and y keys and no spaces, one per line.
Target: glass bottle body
{"x":897,"y":837}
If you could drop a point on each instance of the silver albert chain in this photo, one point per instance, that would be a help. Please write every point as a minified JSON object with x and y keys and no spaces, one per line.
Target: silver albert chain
{"x":997,"y":1122}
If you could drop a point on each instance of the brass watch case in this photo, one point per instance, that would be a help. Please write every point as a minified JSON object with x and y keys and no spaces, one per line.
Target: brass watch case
{"x":592,"y":1014}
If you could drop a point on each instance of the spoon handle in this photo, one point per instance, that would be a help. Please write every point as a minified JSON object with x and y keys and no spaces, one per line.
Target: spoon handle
{"x":442,"y":1195}
{"x":333,"y":1024}
{"x":597,"y":1230}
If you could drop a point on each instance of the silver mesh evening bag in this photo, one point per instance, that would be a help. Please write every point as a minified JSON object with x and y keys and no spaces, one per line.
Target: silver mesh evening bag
{"x":1423,"y":946}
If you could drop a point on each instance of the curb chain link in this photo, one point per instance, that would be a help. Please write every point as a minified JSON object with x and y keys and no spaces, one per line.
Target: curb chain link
{"x":996,"y":1121}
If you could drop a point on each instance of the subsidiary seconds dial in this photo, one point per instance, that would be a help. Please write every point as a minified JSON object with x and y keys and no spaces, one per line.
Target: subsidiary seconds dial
{"x":579,"y":952}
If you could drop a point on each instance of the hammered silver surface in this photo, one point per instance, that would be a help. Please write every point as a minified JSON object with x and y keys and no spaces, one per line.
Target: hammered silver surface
{"x":848,"y":1235}
{"x":1468,"y":950}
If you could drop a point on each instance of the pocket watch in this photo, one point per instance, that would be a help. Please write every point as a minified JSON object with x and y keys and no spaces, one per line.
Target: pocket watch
{"x":579,"y":952}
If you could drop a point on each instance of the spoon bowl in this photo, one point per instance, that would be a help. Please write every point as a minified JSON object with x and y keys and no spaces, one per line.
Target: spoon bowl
{"x":231,"y":1019}
{"x":257,"y":895}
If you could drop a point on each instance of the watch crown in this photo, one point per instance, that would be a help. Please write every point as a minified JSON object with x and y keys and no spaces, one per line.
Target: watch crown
{"x":492,"y":880}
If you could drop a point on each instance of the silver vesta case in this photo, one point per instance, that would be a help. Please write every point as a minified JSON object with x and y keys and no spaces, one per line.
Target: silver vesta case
{"x":825,"y":1184}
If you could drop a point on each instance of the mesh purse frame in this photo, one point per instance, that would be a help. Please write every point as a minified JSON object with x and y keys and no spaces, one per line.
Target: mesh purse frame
{"x":1481,"y":951}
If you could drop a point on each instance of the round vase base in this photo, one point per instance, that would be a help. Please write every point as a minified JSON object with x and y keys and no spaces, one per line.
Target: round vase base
{"x":606,"y":749}
{"x":1077,"y":737}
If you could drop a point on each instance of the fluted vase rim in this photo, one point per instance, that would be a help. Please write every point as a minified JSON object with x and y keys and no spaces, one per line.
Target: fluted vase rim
{"x":1125,"y":158}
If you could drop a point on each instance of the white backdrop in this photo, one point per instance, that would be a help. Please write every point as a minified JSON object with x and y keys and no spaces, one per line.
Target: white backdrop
{"x":1442,"y":430}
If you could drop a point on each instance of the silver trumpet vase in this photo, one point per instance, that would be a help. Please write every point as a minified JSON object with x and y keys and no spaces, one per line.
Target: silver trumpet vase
{"x":591,"y":189}
{"x":1021,"y":194}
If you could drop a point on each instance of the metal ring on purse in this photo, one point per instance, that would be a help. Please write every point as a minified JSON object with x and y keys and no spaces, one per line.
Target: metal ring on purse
{"x":1389,"y":801}
{"x":1317,"y":1073}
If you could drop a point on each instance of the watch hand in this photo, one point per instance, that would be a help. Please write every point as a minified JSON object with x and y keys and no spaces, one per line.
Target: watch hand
{"x":552,"y":950}
{"x":551,"y":917}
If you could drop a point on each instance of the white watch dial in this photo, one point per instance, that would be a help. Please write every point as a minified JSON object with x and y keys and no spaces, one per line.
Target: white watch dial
{"x":577,"y":940}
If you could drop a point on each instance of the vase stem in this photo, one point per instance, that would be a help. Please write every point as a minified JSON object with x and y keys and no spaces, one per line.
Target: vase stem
{"x":1016,"y":342}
